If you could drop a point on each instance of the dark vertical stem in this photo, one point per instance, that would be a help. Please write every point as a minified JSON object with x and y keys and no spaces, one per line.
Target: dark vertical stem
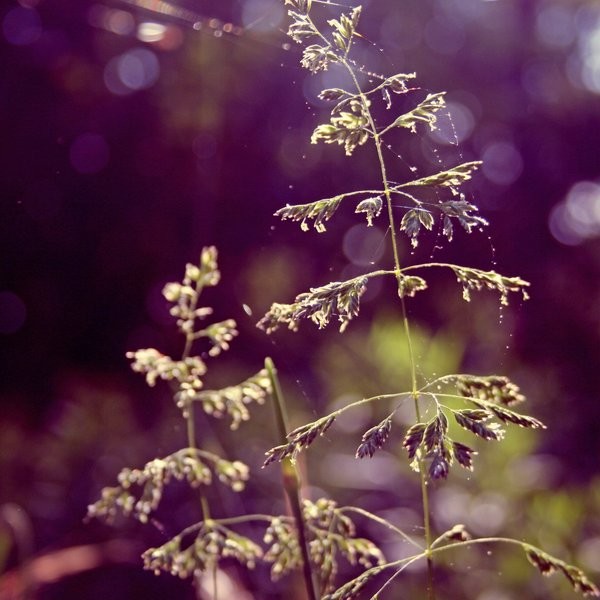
{"x":291,"y":482}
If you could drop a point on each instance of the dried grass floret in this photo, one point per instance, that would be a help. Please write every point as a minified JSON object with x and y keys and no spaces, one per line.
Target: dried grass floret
{"x":320,"y":211}
{"x":233,"y":400}
{"x":140,"y":491}
{"x":155,"y":365}
{"x":425,"y":112}
{"x":332,"y":533}
{"x":458,"y":533}
{"x":353,"y":588}
{"x":374,"y":438}
{"x":300,"y":438}
{"x":409,"y":285}
{"x":371,"y":207}
{"x":301,"y":27}
{"x":413,"y":439}
{"x":548,"y":565}
{"x":492,"y":388}
{"x":491,"y":431}
{"x":212,"y":542}
{"x":341,"y":299}
{"x":475,"y":279}
{"x":348,"y":128}
{"x":317,"y":58}
{"x":413,"y":220}
{"x":463,"y":455}
{"x":451,"y":178}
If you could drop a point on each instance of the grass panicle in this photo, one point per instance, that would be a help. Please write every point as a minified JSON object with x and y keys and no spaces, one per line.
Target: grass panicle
{"x":479,"y":405}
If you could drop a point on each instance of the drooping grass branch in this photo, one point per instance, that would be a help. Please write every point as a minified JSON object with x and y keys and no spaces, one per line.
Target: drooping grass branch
{"x":457,"y":538}
{"x":341,"y":299}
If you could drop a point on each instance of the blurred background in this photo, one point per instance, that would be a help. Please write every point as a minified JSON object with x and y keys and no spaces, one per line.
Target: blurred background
{"x":134,"y":133}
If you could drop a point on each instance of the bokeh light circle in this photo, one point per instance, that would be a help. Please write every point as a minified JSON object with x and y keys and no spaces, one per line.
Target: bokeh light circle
{"x":134,"y":70}
{"x":22,"y":26}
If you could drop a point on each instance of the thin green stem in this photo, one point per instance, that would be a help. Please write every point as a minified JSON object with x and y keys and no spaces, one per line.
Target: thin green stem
{"x":244,"y":519}
{"x":444,"y":266}
{"x":377,"y":137}
{"x":387,"y":190}
{"x":408,"y":560}
{"x":450,"y":377}
{"x":329,"y":3}
{"x":432,"y":264}
{"x":240,"y":519}
{"x":191,"y":425}
{"x":191,"y":428}
{"x":353,"y":193}
{"x":414,"y":559}
{"x":205,"y":508}
{"x":487,"y":540}
{"x":189,"y":340}
{"x":424,"y":492}
{"x":379,"y":273}
{"x":457,"y":397}
{"x":291,"y":482}
{"x":381,"y":521}
{"x":339,"y":411}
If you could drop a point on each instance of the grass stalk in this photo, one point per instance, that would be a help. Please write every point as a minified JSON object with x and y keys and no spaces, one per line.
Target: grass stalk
{"x":291,"y":482}
{"x":398,"y":270}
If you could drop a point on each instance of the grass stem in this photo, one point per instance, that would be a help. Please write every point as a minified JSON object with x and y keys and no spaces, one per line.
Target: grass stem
{"x":398,"y":272}
{"x":291,"y":482}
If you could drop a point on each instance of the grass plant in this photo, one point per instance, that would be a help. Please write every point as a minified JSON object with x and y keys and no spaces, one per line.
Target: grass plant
{"x":481,"y":405}
{"x":314,"y":535}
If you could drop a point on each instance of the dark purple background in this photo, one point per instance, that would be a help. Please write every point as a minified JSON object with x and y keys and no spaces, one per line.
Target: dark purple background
{"x":105,"y":196}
